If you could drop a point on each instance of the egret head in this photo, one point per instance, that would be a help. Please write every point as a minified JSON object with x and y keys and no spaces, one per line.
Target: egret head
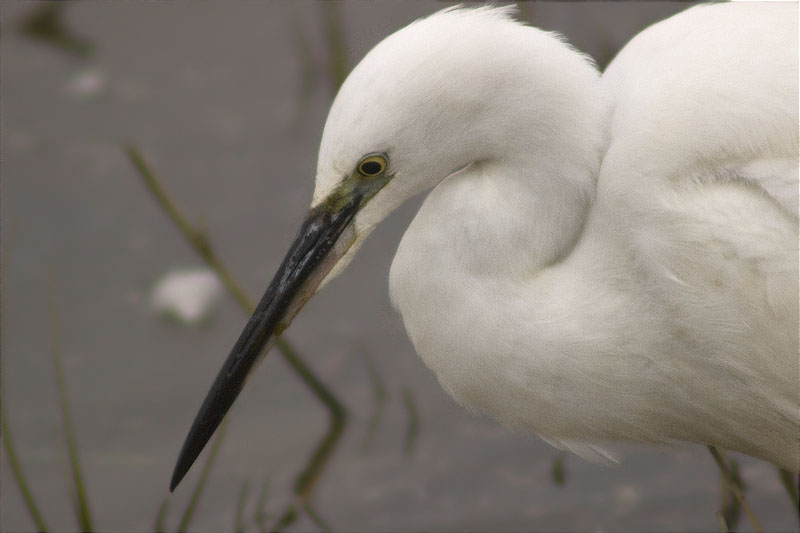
{"x":461,"y":86}
{"x":426,"y":102}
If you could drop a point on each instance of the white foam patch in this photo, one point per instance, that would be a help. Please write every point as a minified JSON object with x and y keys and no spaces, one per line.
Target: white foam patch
{"x":188,"y":296}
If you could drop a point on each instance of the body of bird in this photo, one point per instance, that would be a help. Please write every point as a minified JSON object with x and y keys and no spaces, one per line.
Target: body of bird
{"x":601,"y":257}
{"x":651,"y":296}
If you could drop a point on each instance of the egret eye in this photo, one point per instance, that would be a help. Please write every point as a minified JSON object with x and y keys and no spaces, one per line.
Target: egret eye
{"x":372,"y":165}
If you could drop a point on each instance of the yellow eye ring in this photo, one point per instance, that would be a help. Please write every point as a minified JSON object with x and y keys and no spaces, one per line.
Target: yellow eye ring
{"x":372,"y":165}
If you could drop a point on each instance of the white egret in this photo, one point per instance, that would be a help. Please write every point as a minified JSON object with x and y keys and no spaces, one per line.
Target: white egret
{"x":600,"y":258}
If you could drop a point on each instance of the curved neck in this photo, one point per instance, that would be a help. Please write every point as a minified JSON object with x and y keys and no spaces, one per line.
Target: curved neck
{"x":509,"y":218}
{"x":481,"y":253}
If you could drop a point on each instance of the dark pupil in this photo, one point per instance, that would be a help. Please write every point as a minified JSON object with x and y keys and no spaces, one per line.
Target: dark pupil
{"x":370,"y":168}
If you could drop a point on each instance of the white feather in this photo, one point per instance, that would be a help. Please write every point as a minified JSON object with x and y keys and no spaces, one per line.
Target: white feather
{"x":600,"y":258}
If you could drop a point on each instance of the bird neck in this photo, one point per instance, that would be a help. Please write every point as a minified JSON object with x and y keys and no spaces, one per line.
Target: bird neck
{"x":490,"y":249}
{"x":522,"y":202}
{"x":487,"y":250}
{"x":505,"y":219}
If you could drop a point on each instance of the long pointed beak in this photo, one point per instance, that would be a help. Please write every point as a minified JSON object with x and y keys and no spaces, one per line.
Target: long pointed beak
{"x":319,"y":244}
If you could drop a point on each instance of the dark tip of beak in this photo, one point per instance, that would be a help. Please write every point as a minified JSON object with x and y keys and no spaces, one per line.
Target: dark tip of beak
{"x":301,"y":266}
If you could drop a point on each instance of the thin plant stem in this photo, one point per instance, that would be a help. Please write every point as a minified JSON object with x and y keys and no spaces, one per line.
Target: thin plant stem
{"x":723,"y":526}
{"x":334,"y":37}
{"x":239,"y":524}
{"x":316,"y":518}
{"x":16,"y":469}
{"x":158,"y":524}
{"x":196,"y":238}
{"x":201,"y":483}
{"x":413,"y":424}
{"x":288,"y":517}
{"x":791,"y":483}
{"x":379,"y":396}
{"x":734,"y":487}
{"x":523,"y":12}
{"x":261,"y":507}
{"x":730,"y":507}
{"x":307,"y":478}
{"x":82,"y":502}
{"x":308,"y":69}
{"x":557,"y":471}
{"x":5,"y":428}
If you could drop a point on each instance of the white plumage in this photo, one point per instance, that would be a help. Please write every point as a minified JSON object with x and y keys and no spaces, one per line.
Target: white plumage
{"x":601,"y":257}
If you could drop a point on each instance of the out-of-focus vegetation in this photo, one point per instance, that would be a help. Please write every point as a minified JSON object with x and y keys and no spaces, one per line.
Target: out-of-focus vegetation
{"x":46,"y":23}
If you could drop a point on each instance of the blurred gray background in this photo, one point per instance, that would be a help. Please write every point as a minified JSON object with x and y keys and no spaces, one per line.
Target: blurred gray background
{"x":227,"y":102}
